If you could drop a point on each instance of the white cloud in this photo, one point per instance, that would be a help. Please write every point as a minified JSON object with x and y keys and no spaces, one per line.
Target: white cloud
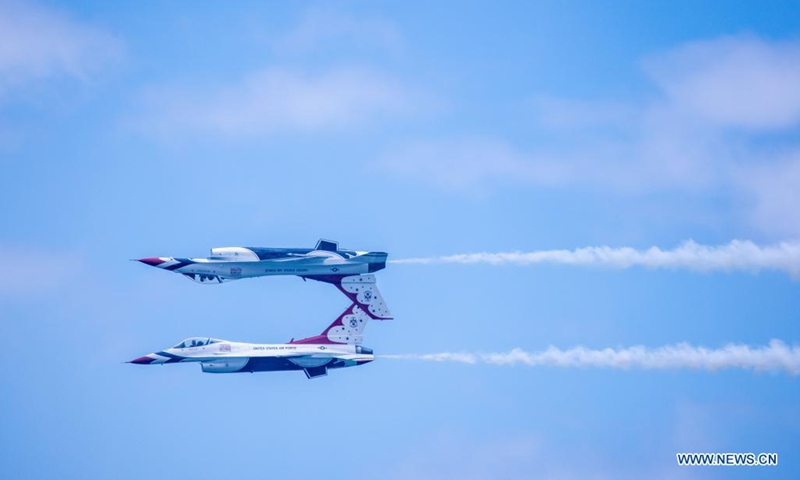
{"x":469,"y":163}
{"x":277,"y":100}
{"x":38,"y":43}
{"x":477,"y":163}
{"x":736,"y":255}
{"x":774,"y":191}
{"x":711,"y":129}
{"x":287,"y":97}
{"x":776,"y":356}
{"x":322,"y":29}
{"x":742,"y":82}
{"x":563,"y":114}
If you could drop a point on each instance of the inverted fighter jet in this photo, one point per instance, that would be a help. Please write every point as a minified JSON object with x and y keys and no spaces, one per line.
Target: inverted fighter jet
{"x":338,"y":346}
{"x":232,"y":263}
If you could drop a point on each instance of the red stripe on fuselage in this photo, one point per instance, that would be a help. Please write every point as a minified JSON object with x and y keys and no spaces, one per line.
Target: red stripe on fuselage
{"x":152,"y":261}
{"x":143,"y":360}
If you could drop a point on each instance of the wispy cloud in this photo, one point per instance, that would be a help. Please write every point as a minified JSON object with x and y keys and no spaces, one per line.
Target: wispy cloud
{"x":336,"y":92}
{"x":712,"y":126}
{"x":773,"y":189}
{"x":477,"y":163}
{"x":776,"y":356}
{"x":277,"y":100}
{"x":736,"y":255}
{"x":743,"y":82}
{"x":38,"y":42}
{"x":467,"y":163}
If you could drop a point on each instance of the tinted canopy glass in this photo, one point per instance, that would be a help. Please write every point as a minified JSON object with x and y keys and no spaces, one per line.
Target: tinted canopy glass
{"x":196,"y":342}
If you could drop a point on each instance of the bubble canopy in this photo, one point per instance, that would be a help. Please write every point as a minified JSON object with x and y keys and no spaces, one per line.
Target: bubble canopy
{"x":196,"y":342}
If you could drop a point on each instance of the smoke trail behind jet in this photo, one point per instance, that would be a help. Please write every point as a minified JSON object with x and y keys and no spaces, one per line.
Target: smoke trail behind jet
{"x":734,"y":256}
{"x":775,"y":357}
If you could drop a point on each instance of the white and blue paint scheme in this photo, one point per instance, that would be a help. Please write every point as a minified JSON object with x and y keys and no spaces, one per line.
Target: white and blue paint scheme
{"x":338,"y":346}
{"x":222,"y":356}
{"x":234,"y":263}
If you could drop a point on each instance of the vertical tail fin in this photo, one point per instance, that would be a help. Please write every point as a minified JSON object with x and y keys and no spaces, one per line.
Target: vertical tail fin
{"x":361,"y":290}
{"x":347,"y":328}
{"x":367,"y":305}
{"x":327,"y":245}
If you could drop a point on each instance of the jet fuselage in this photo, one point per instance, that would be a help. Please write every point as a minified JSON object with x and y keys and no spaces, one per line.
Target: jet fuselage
{"x":233,"y":263}
{"x":222,"y":356}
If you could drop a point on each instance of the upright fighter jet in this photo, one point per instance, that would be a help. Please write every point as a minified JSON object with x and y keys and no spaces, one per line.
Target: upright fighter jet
{"x":338,"y":346}
{"x":232,"y":263}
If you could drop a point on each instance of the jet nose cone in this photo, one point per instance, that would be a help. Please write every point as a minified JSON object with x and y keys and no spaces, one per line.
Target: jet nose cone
{"x":142,"y":360}
{"x":152,"y":261}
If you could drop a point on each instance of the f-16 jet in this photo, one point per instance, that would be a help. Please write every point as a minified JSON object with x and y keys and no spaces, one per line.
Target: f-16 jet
{"x":338,"y":346}
{"x":233,"y":263}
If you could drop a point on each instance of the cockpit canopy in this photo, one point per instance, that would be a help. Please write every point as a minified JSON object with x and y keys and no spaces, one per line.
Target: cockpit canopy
{"x":196,"y":342}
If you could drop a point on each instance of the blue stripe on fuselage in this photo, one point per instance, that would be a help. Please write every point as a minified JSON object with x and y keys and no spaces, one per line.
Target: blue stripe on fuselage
{"x":182,"y":263}
{"x":172,"y":358}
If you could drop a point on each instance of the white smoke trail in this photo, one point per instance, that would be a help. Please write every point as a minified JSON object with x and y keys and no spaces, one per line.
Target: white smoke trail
{"x":776,"y":356}
{"x":736,"y":255}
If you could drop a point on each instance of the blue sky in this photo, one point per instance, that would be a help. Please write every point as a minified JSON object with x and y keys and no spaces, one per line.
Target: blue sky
{"x":134,"y":130}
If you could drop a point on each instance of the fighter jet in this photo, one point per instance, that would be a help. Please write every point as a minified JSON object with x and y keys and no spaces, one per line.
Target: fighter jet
{"x":232,"y":263}
{"x":222,"y":356}
{"x":338,"y":346}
